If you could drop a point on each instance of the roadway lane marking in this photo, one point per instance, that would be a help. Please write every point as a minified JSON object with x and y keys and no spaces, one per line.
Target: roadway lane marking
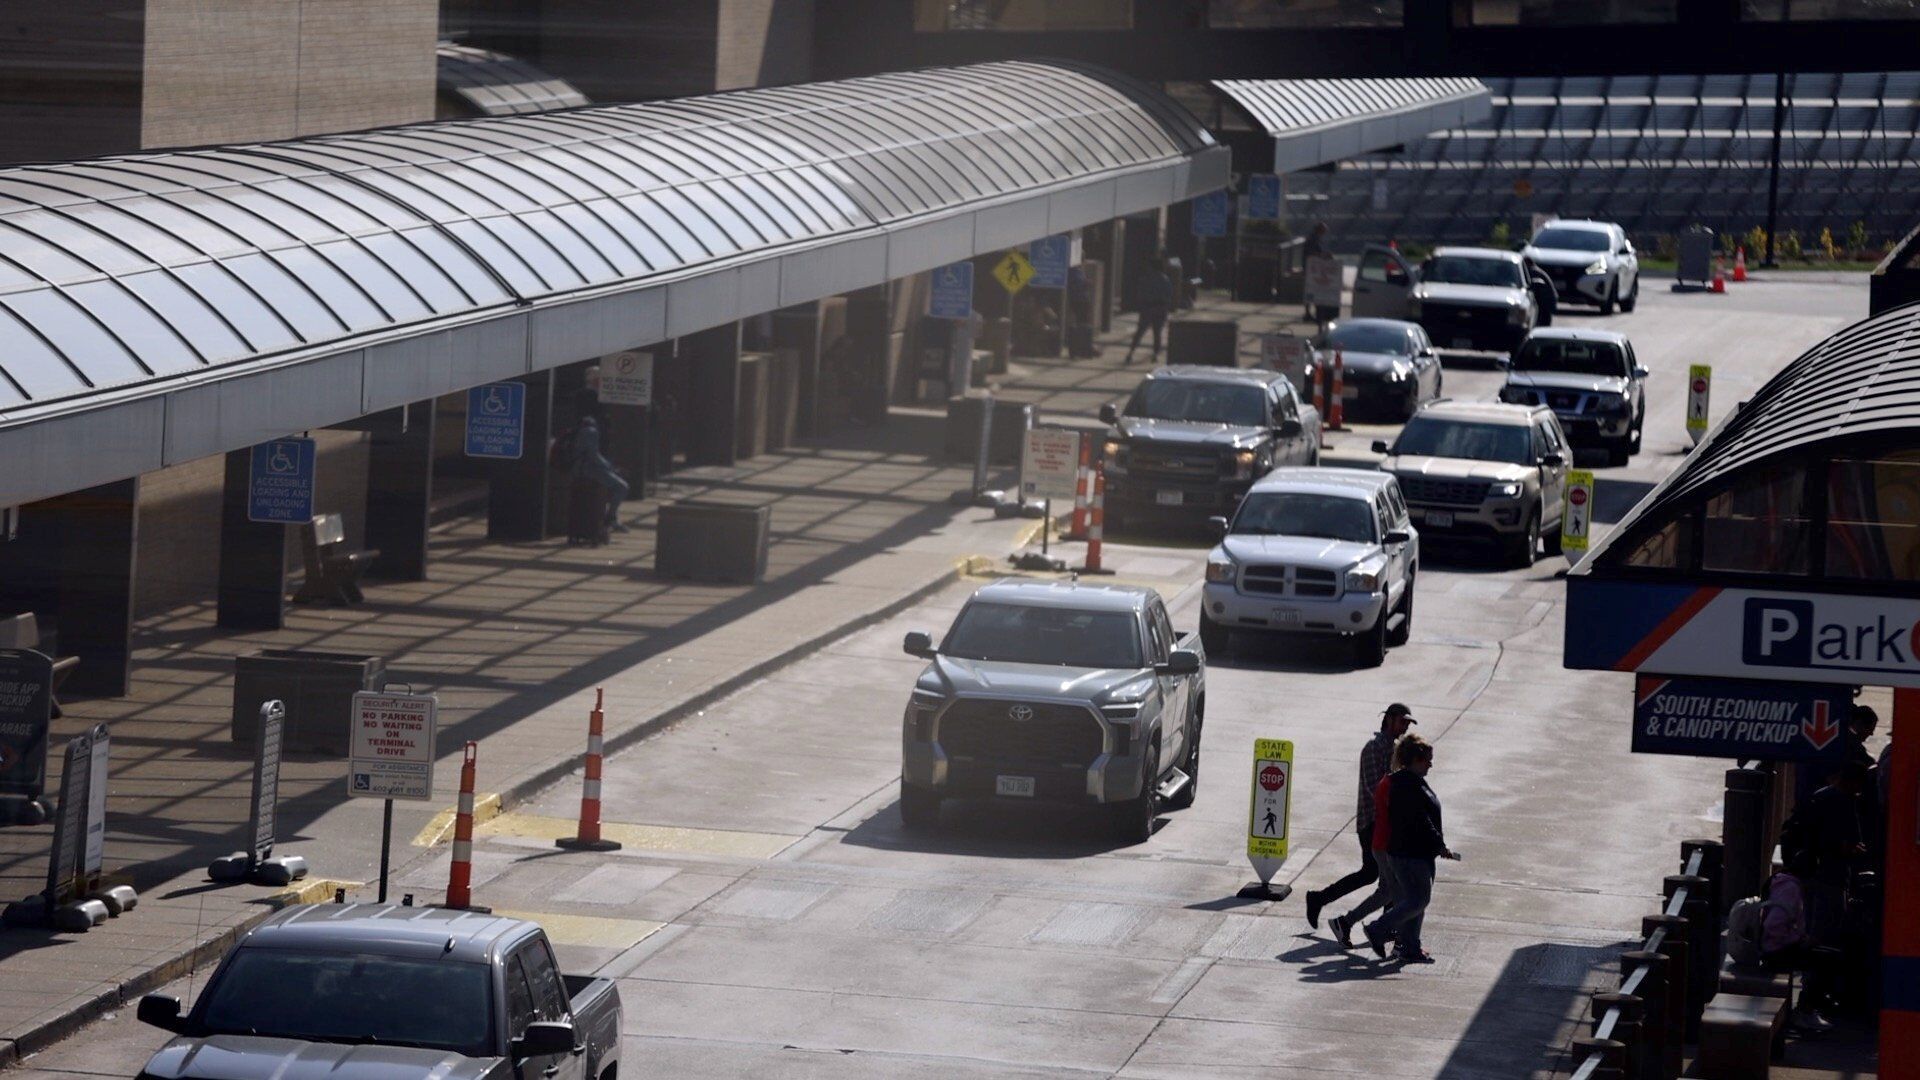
{"x":667,"y":838}
{"x":593,"y":931}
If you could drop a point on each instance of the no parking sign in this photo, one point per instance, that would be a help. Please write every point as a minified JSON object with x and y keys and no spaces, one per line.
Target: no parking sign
{"x":1576,"y":522}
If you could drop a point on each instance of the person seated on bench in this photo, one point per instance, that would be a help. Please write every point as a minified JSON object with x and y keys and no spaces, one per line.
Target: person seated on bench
{"x":590,"y":466}
{"x":1785,"y":945}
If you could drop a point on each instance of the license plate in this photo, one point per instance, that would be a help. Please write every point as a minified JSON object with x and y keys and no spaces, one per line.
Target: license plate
{"x":1283,"y":616}
{"x":1463,"y":343}
{"x":1439,"y":519}
{"x":1021,"y":786}
{"x":1169,"y":498}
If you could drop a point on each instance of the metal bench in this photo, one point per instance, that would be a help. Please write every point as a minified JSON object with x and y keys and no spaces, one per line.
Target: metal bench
{"x":1754,"y":980}
{"x":22,"y":631}
{"x":333,"y":569}
{"x":1741,"y":1036}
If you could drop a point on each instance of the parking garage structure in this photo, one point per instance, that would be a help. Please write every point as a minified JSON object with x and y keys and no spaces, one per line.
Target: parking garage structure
{"x":1786,"y":550}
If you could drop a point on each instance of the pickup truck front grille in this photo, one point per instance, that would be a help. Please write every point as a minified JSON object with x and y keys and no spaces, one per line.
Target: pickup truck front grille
{"x":1442,"y":492}
{"x":1444,"y":321}
{"x":1178,"y":464}
{"x":988,"y":730}
{"x":1280,"y":580}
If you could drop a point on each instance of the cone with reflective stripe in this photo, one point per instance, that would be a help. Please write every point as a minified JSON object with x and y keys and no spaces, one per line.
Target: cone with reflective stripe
{"x":1719,"y":274}
{"x":1337,"y":418}
{"x":460,"y":870}
{"x":1740,"y":263}
{"x":1082,"y":490}
{"x":589,"y":833}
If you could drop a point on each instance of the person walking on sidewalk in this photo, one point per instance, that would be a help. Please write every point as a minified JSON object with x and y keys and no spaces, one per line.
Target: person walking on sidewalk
{"x":1155,"y":297}
{"x":1376,"y":760}
{"x":1415,"y":839}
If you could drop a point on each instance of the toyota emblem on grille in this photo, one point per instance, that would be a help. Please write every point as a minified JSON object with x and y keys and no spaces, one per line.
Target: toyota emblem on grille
{"x":1020,"y":714}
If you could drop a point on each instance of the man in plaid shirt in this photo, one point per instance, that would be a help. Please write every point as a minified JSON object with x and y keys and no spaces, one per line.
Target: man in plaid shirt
{"x":1376,"y":760}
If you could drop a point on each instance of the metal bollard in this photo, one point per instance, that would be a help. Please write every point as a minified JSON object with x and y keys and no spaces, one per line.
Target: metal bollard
{"x":1673,"y":946}
{"x":1654,"y":1030}
{"x":1703,"y":943}
{"x":1711,"y":852}
{"x":1745,"y":858}
{"x":1612,"y":1054}
{"x":1627,"y":1028}
{"x":985,"y":449}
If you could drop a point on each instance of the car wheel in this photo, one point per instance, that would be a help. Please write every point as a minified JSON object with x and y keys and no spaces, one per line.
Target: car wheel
{"x":1613,"y":298}
{"x":1192,"y":768}
{"x":1214,"y":638}
{"x":1632,"y":299}
{"x":1133,"y":819}
{"x":1551,"y":541}
{"x":1639,"y":425}
{"x":1404,"y":632}
{"x":1524,"y":546}
{"x":1619,"y":453}
{"x":1370,"y":646}
{"x":919,"y":808}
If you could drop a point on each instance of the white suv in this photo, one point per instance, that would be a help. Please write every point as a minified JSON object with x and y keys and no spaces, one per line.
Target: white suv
{"x":1590,"y":262}
{"x":1319,"y":551}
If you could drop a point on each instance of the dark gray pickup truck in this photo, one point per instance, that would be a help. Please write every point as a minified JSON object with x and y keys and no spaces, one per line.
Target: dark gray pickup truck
{"x":379,"y":992}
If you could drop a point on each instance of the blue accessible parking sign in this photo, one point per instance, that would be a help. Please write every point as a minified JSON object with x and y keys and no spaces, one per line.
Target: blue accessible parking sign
{"x":1210,"y":214}
{"x":497,"y":420}
{"x":1263,"y":197}
{"x":280,"y":482}
{"x":1050,"y":256}
{"x":952,"y":294}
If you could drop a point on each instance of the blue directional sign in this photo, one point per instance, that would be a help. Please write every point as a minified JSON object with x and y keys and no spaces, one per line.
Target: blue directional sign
{"x":497,"y":420}
{"x":1263,"y":197}
{"x":1050,"y":256}
{"x":1210,"y":214}
{"x":280,"y":482}
{"x":952,"y":295}
{"x":1740,"y":718}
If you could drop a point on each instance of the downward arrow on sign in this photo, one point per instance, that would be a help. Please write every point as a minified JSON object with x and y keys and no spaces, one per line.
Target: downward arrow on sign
{"x":1820,"y":728}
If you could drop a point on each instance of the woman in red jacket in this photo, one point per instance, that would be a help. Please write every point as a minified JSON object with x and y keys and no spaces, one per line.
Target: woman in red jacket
{"x":1413,"y":840}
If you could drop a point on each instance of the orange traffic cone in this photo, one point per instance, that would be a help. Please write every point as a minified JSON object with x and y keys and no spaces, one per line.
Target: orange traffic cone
{"x":1740,"y":263}
{"x":1719,"y":274}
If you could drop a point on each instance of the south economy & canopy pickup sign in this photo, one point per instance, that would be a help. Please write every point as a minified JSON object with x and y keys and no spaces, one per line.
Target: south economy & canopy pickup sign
{"x":1739,"y":718}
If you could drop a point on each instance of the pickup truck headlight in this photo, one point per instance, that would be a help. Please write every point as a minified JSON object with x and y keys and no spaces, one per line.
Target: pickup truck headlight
{"x":1220,"y":571}
{"x":1517,"y":315}
{"x":1365,"y":577}
{"x":1599,"y":266}
{"x":1611,"y":403}
{"x":921,"y":709}
{"x":1114,"y":448}
{"x":1243,"y":462}
{"x":1507,"y":489}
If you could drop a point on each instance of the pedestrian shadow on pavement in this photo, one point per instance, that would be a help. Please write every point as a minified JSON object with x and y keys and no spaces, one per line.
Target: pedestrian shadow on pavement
{"x":1322,"y":961}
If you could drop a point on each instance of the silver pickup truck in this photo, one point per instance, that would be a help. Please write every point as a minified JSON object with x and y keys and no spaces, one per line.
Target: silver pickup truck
{"x":379,"y":992}
{"x":1056,"y":692}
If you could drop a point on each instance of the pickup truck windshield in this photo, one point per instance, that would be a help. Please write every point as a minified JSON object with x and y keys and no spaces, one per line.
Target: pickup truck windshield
{"x":346,"y":997}
{"x":1200,"y":402}
{"x":1370,"y":337}
{"x":1044,"y":635}
{"x":1294,"y":513}
{"x":1572,"y":240}
{"x":1575,"y":357}
{"x":1428,"y":437}
{"x":1465,"y":270}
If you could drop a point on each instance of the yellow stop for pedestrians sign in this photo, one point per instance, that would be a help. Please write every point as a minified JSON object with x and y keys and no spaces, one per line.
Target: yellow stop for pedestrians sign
{"x":1013,"y":270}
{"x":1272,"y":799}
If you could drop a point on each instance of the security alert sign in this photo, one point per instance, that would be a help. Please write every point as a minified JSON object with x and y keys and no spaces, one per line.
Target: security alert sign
{"x":390,"y":748}
{"x":1576,"y":522}
{"x":1267,"y":814}
{"x":1739,"y":718}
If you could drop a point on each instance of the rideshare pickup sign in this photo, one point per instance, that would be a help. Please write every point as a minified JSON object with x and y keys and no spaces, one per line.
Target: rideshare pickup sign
{"x":1739,"y":718}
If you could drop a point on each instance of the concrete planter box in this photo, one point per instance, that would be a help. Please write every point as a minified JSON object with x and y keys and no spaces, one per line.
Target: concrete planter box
{"x":1197,"y":340}
{"x":317,"y":687}
{"x":713,"y":542}
{"x":963,"y":429}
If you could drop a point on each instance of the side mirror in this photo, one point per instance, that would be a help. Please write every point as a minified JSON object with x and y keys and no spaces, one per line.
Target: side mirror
{"x":1641,"y":373}
{"x":1109,"y":413}
{"x":1217,"y":525}
{"x":1287,"y":429}
{"x":1552,"y":461}
{"x":545,"y":1038}
{"x":1398,"y":536}
{"x":161,"y":1011}
{"x":1380,"y":447}
{"x":1181,"y":662}
{"x":918,"y":643}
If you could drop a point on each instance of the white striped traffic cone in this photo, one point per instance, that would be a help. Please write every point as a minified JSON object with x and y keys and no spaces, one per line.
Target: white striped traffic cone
{"x":589,"y":833}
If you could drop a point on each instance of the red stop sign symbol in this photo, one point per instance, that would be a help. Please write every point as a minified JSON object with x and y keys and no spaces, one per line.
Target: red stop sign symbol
{"x":1578,"y":496}
{"x":1699,"y":386}
{"x":1271,"y":778}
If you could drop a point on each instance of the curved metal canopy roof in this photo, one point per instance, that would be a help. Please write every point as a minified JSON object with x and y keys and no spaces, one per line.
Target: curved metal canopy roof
{"x":495,"y":84}
{"x":1861,"y":382}
{"x":1321,"y":121}
{"x":166,"y":306}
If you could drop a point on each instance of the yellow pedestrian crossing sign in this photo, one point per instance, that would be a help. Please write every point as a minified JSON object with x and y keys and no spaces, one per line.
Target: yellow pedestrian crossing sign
{"x":1576,"y":518}
{"x":1013,"y":270}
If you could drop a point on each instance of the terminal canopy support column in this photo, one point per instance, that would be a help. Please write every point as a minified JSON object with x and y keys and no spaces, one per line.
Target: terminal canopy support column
{"x":253,"y":558}
{"x":712,"y":358}
{"x":72,"y":565}
{"x":871,"y":337}
{"x":517,"y":487}
{"x":1900,"y":930}
{"x":400,"y":491}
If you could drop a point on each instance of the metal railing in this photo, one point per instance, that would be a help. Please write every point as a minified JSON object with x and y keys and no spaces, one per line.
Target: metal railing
{"x":1603,"y":1062}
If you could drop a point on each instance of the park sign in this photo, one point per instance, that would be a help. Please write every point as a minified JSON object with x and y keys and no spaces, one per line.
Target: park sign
{"x":1740,"y":718}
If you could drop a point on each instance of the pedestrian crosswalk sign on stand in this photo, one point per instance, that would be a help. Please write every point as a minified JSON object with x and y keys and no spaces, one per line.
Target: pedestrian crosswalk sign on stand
{"x":1014,"y":271}
{"x":1267,"y":811}
{"x":1699,"y":384}
{"x":1576,"y":522}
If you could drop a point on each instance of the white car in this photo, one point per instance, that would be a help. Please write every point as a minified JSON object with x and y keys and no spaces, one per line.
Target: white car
{"x":1324,"y":551}
{"x":1590,"y":262}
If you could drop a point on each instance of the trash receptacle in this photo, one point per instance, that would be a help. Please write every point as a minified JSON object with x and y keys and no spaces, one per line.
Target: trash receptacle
{"x":1203,"y":339}
{"x":704,"y":541}
{"x":1695,"y":265}
{"x":317,"y":687}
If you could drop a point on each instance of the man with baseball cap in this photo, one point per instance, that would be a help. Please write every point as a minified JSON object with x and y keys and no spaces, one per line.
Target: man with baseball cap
{"x":1376,"y":758}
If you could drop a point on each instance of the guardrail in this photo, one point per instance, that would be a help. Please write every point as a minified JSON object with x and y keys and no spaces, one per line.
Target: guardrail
{"x":1639,"y":1030}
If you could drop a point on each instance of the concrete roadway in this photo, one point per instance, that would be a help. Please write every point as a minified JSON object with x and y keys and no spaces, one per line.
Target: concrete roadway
{"x":768,"y":916}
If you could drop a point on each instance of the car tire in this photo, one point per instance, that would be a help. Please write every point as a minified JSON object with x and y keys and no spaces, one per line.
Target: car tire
{"x":1214,"y":638}
{"x":1405,"y":631}
{"x":1619,"y":453}
{"x":1632,"y":299}
{"x":1613,"y":298}
{"x":1551,"y":542}
{"x":1370,"y":646}
{"x":919,"y":808}
{"x":1133,"y":819}
{"x":1523,"y":547}
{"x":1639,"y":426}
{"x":1192,"y":768}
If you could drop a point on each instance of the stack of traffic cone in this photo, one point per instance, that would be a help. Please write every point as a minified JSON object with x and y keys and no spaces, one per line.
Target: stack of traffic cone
{"x":1719,"y":274}
{"x":1740,"y":263}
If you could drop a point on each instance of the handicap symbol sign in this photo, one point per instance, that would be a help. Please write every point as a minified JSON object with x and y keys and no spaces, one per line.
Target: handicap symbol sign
{"x":496,"y":420}
{"x":952,"y":294}
{"x":280,"y":482}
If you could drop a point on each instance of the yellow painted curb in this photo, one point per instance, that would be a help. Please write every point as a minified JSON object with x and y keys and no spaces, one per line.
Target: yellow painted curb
{"x":972,"y":566}
{"x":316,"y":891}
{"x":485,"y":808}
